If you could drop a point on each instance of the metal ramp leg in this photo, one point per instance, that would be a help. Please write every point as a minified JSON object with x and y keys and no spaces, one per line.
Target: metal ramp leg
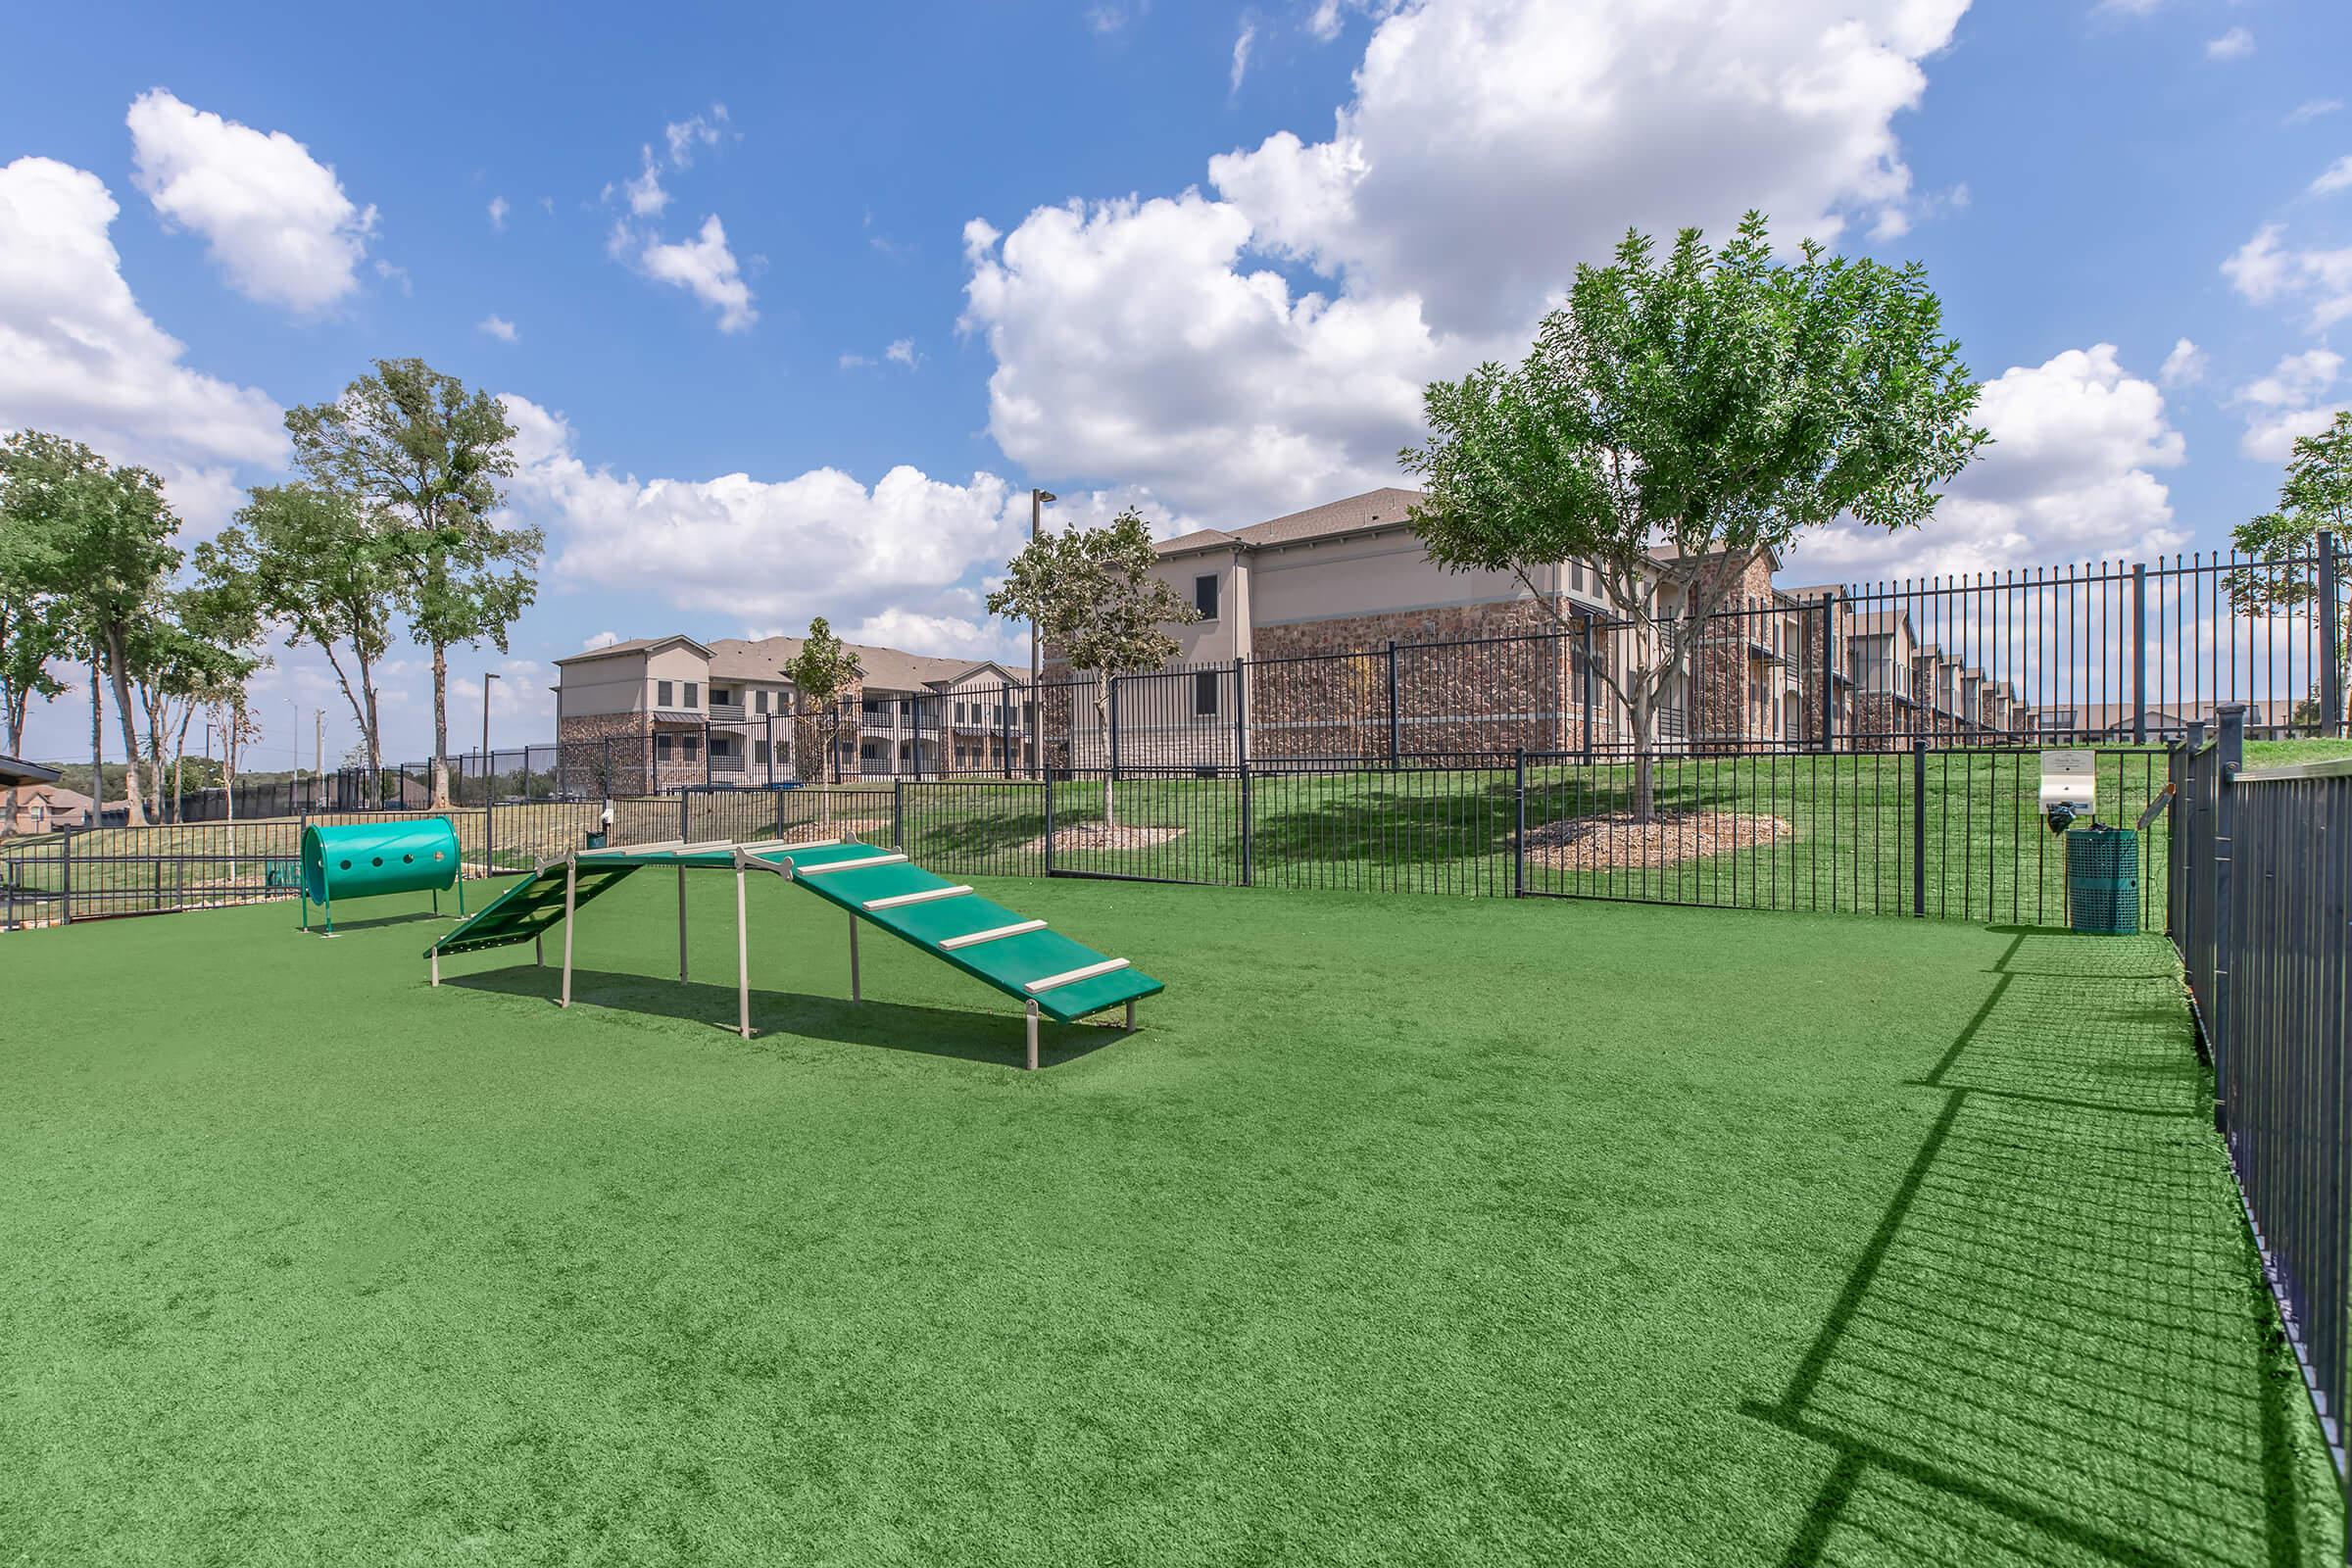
{"x":572,"y":883}
{"x":743,"y":965}
{"x":1033,"y":1036}
{"x":855,"y":995}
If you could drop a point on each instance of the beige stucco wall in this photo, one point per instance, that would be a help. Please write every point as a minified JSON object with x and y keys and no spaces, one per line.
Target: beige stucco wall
{"x":615,"y":684}
{"x":1228,"y":635}
{"x":679,"y":663}
{"x":1368,"y":574}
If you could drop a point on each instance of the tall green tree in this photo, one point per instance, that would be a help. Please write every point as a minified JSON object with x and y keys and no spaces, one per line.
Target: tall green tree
{"x":1716,"y":401}
{"x":308,"y":560}
{"x":35,"y":627}
{"x":2281,"y":545}
{"x":424,"y":453}
{"x":823,"y":672}
{"x":1098,"y":606}
{"x":197,"y":643}
{"x":115,"y":531}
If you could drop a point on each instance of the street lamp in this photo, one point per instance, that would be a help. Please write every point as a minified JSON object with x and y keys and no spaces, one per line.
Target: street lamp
{"x":487,"y":677}
{"x":1037,"y":516}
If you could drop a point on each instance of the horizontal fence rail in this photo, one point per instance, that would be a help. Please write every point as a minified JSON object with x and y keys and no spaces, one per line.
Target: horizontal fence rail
{"x":2261,"y":914}
{"x":1937,"y":832}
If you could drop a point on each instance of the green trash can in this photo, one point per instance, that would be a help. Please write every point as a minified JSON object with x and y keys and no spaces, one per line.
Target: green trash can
{"x":2102,"y":879}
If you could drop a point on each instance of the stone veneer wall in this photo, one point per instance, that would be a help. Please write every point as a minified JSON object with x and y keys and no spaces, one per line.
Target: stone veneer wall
{"x":1319,"y":690}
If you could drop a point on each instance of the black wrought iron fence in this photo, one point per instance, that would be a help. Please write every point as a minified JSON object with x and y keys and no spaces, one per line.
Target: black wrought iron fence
{"x":2104,"y":653}
{"x":2263,"y":919}
{"x":102,"y":872}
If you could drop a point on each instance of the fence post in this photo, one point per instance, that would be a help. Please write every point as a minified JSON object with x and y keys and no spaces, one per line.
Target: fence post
{"x":1005,"y":730}
{"x":2331,"y":652}
{"x":1046,"y":773}
{"x":1919,"y":827}
{"x":1519,"y":824}
{"x":1585,"y":632}
{"x":1829,"y":670}
{"x":706,"y":754}
{"x":898,"y":813}
{"x":489,"y":837}
{"x":769,"y":720}
{"x":1249,"y":875}
{"x":1241,"y":714}
{"x":1113,"y":738}
{"x":685,"y":795}
{"x":2140,"y":654}
{"x":66,"y":876}
{"x":2232,"y":756}
{"x":1391,"y":704}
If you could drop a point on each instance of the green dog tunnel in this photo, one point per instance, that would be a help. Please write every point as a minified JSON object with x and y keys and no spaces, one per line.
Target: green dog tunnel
{"x":365,"y":859}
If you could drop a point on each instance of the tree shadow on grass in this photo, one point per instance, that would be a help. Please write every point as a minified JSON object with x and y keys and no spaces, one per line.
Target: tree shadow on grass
{"x":2055,"y":1347}
{"x":1381,"y":821}
{"x":994,"y":1038}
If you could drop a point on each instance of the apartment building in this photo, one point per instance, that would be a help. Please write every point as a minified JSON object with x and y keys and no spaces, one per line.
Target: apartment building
{"x":658,"y":713}
{"x":1314,"y":601}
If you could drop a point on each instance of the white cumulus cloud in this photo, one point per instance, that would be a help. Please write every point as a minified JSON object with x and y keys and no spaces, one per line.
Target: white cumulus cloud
{"x":2335,"y":178}
{"x":2236,"y":44}
{"x":822,"y":543}
{"x":2290,"y":400}
{"x":498,"y":211}
{"x":2264,"y":271}
{"x":2071,"y":475}
{"x":79,"y":356}
{"x":2184,"y":366}
{"x":706,"y":268}
{"x":275,"y":218}
{"x":1263,"y":344}
{"x":498,"y":328}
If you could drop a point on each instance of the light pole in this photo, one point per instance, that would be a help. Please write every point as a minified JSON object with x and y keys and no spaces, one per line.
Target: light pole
{"x":487,"y":677}
{"x":1037,"y":517}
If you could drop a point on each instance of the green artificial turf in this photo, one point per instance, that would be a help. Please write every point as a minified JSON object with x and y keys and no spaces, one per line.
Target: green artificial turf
{"x":1406,"y":1231}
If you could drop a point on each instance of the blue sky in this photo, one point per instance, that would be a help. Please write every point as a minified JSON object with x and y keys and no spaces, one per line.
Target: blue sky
{"x":1023,"y":196}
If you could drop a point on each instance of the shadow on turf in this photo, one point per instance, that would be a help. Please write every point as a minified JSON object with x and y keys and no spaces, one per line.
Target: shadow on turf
{"x":372,"y":923}
{"x":968,"y":1035}
{"x":2020,"y":1364}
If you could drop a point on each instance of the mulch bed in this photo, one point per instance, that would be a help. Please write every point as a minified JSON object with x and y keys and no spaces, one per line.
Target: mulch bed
{"x":1617,"y":841}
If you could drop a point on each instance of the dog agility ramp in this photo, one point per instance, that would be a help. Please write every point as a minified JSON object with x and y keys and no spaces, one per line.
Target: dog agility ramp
{"x":1051,"y":975}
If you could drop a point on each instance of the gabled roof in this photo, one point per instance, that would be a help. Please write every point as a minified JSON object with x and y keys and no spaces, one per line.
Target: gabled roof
{"x":635,"y":645}
{"x":892,"y":670}
{"x":15,"y":771}
{"x":1389,"y":507}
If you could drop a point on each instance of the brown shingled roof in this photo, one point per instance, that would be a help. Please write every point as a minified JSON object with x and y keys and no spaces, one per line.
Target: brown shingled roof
{"x":1374,"y":509}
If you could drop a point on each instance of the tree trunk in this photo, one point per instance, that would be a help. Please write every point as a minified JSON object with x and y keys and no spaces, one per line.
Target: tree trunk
{"x":14,"y":713}
{"x":1110,"y":804}
{"x":97,"y":740}
{"x":136,"y":813}
{"x":1645,"y":745}
{"x":441,"y":727}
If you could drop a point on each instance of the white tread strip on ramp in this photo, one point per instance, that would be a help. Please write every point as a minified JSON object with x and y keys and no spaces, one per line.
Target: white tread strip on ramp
{"x":992,"y":934}
{"x":1070,"y":977}
{"x":924,"y":897}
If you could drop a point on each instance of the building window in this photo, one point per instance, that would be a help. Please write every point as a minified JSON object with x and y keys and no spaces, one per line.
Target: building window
{"x":692,"y":746}
{"x":664,"y":694}
{"x":694,"y":694}
{"x":1205,"y":693}
{"x":718,"y":694}
{"x":759,"y":702}
{"x":1205,"y":596}
{"x":660,"y":748}
{"x":758,"y":751}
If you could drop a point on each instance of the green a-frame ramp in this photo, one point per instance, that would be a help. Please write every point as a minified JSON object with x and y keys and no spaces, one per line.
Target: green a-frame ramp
{"x":1051,"y":975}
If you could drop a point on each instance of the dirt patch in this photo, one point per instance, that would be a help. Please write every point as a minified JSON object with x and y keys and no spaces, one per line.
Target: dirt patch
{"x":1617,"y":841}
{"x":1095,"y":836}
